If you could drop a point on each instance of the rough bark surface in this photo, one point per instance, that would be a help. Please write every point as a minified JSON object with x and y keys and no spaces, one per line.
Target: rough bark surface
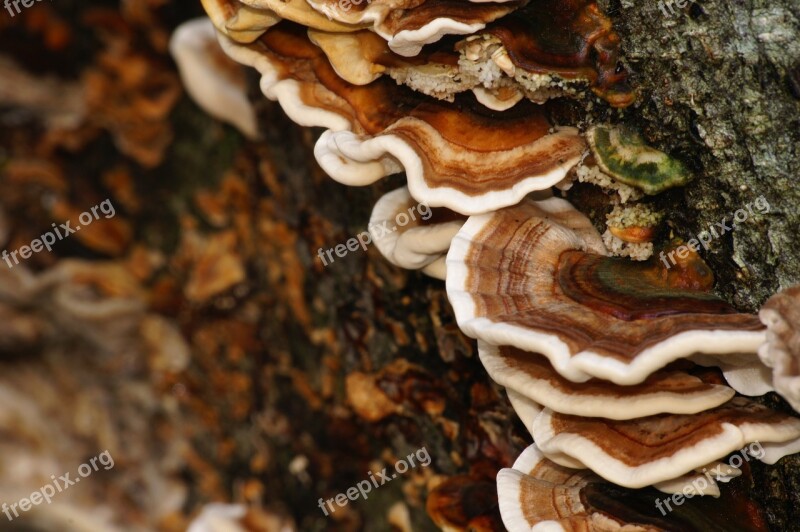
{"x":719,"y":88}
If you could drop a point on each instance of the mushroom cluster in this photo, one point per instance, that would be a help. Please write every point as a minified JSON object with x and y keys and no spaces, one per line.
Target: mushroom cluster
{"x":616,"y":362}
{"x":625,"y":368}
{"x":462,"y":97}
{"x":781,"y":352}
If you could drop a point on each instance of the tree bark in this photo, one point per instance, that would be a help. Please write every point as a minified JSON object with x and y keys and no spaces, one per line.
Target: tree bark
{"x":719,"y":88}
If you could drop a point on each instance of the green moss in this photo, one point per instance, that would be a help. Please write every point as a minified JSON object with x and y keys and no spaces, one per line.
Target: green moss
{"x":623,"y":154}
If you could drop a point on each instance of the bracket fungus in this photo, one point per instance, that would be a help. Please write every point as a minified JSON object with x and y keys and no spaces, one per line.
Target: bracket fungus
{"x":573,"y":42}
{"x":214,"y":82}
{"x":536,"y":277}
{"x":238,"y":21}
{"x":601,"y":356}
{"x":408,"y":25}
{"x":456,"y":155}
{"x":781,"y":352}
{"x":419,"y":243}
{"x":641,"y":452}
{"x":532,"y":376}
{"x":711,"y":472}
{"x":539,"y":51}
{"x":501,"y":65}
{"x":624,"y":155}
{"x":538,"y":494}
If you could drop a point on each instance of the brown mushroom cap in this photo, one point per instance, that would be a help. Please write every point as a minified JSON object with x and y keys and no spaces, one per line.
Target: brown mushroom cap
{"x":573,"y":40}
{"x":645,"y":451}
{"x":528,"y":411}
{"x":532,"y":376}
{"x":538,"y":494}
{"x":458,"y":156}
{"x":408,"y":25}
{"x":535,"y":276}
{"x":781,"y":352}
{"x":238,"y":21}
{"x":538,"y":52}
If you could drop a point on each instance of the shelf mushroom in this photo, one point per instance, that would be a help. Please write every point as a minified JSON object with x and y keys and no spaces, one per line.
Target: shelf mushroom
{"x":667,"y":390}
{"x":538,"y":494}
{"x":547,"y":50}
{"x":581,"y":340}
{"x":781,"y":352}
{"x":214,"y":82}
{"x":501,"y":65}
{"x":456,"y":155}
{"x":624,"y":155}
{"x":572,"y":43}
{"x":641,"y":452}
{"x":536,"y":276}
{"x":412,"y":235}
{"x":408,"y":25}
{"x":701,"y":480}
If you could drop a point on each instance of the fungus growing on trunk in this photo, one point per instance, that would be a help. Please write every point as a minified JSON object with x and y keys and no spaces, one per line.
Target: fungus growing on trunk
{"x":535,"y":276}
{"x":781,"y":352}
{"x":641,"y":452}
{"x":460,"y":155}
{"x":418,"y":240}
{"x":408,"y":25}
{"x":572,"y":41}
{"x":538,"y":494}
{"x":214,"y":82}
{"x":533,"y":377}
{"x":624,"y":155}
{"x":600,"y":355}
{"x":480,"y":63}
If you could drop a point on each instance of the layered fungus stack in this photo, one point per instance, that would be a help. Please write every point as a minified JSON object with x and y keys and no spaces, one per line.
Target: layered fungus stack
{"x":632,"y":377}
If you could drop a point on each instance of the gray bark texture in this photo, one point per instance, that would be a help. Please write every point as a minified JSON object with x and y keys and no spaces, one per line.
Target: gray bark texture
{"x":720,"y":89}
